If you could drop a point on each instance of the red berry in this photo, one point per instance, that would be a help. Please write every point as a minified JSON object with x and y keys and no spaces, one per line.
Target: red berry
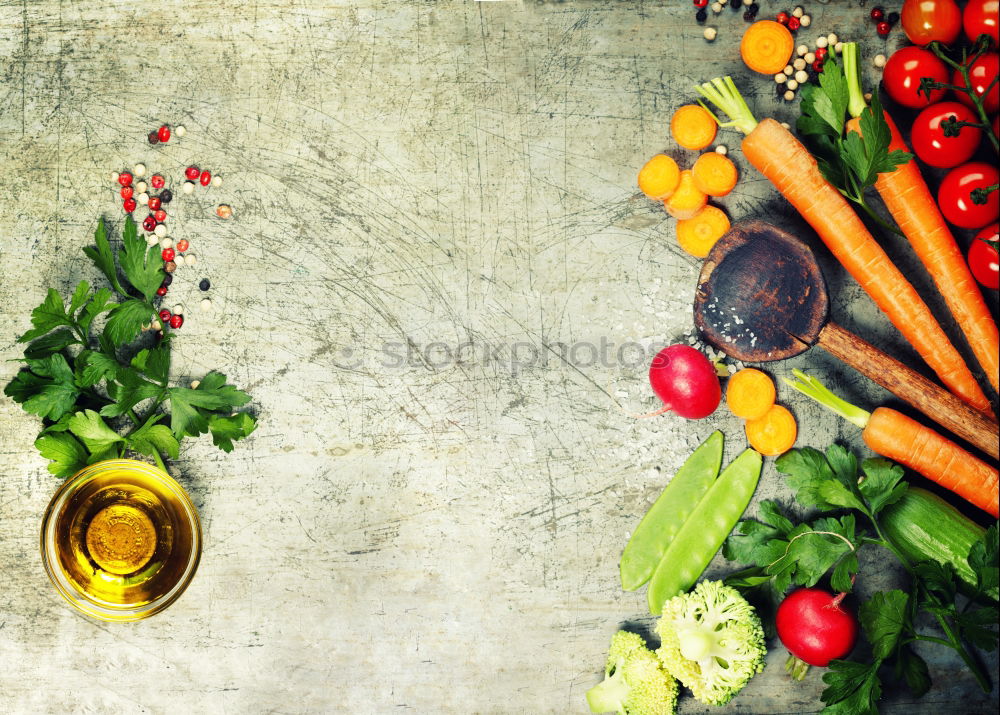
{"x":182,"y":245}
{"x":818,"y":66}
{"x":883,"y":28}
{"x":160,"y":215}
{"x":149,"y":223}
{"x":820,"y":53}
{"x":877,"y":14}
{"x":794,"y":23}
{"x":164,"y":315}
{"x":161,"y":291}
{"x":167,"y":254}
{"x":125,"y":178}
{"x":129,"y":205}
{"x":163,"y":133}
{"x":176,"y":321}
{"x":192,"y":172}
{"x":127,"y":192}
{"x":206,"y":177}
{"x":700,"y":3}
{"x":156,"y":181}
{"x":782,"y":18}
{"x":154,"y":203}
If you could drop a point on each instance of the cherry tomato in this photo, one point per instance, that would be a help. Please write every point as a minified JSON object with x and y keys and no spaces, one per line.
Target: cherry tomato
{"x":955,"y":195}
{"x":930,"y":143}
{"x":996,"y":125}
{"x":984,"y":261}
{"x":982,"y":72}
{"x":902,"y":74}
{"x":927,"y":20}
{"x":980,"y":18}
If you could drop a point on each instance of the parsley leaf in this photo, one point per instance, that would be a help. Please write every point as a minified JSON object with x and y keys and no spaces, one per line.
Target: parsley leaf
{"x":152,"y":437}
{"x":226,"y":428}
{"x":50,"y":315}
{"x":100,"y":254}
{"x":186,"y":415}
{"x":96,"y":436}
{"x":883,"y":484}
{"x":126,"y":321}
{"x":884,"y":616}
{"x":92,"y":367}
{"x":913,"y":669}
{"x":154,"y":363}
{"x":140,"y":262}
{"x":983,"y":558}
{"x":129,"y":390}
{"x":45,"y":388}
{"x":852,"y":688}
{"x":100,"y":303}
{"x":66,"y":454}
{"x":51,"y":343}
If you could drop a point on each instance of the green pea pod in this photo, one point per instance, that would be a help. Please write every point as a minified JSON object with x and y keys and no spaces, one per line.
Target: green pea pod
{"x":650,"y":540}
{"x":703,"y":533}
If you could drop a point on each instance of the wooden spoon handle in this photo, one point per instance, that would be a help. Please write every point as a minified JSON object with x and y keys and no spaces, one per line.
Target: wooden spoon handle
{"x":941,"y":406}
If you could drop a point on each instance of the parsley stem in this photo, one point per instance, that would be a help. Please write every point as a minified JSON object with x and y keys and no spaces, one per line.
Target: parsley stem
{"x":159,"y":460}
{"x":860,"y":201}
{"x":954,"y":642}
{"x":928,"y":639}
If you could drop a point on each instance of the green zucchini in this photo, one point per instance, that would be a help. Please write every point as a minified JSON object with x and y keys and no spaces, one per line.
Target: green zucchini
{"x":924,"y":527}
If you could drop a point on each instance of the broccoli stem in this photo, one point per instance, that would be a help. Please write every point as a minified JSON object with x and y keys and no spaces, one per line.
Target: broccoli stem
{"x":610,"y":694}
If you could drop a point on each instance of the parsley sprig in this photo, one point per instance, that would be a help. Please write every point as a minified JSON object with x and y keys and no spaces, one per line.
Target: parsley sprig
{"x":100,"y":395}
{"x":783,"y":554}
{"x":850,"y":161}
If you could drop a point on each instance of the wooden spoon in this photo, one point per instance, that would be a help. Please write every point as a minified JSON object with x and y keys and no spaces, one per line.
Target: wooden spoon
{"x":761,"y":297}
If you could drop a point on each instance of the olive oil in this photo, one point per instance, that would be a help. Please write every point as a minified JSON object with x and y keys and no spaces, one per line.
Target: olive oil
{"x":120,"y":539}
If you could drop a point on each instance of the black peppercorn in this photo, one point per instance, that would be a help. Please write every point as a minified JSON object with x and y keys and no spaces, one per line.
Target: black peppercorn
{"x":166,"y":196}
{"x":153,"y":138}
{"x":204,"y":285}
{"x":893,"y":18}
{"x":701,"y":15}
{"x":168,"y":279}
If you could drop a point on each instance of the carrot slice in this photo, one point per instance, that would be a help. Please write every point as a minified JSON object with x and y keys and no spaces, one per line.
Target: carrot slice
{"x":659,"y":177}
{"x":693,"y":127}
{"x":686,"y":201}
{"x":767,"y":46}
{"x":750,"y":393}
{"x":773,"y":433}
{"x":714,"y":174}
{"x":697,"y":235}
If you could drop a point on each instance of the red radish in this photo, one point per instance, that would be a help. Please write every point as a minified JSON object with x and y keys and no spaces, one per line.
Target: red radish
{"x":686,"y":382}
{"x":815,"y":627}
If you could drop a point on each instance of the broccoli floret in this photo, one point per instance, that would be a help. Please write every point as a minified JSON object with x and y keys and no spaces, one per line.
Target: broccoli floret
{"x":712,"y":641}
{"x":635,"y":682}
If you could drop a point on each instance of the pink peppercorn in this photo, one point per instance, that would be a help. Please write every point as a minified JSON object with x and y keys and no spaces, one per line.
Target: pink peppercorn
{"x":163,"y":133}
{"x":164,"y":315}
{"x":156,"y":181}
{"x":127,"y":192}
{"x":125,"y":178}
{"x":167,"y":254}
{"x":161,"y":291}
{"x":176,"y":321}
{"x":206,"y":178}
{"x":192,"y":172}
{"x":149,"y":223}
{"x":129,"y":205}
{"x":154,"y":203}
{"x":794,"y":23}
{"x":160,"y":215}
{"x":182,"y":245}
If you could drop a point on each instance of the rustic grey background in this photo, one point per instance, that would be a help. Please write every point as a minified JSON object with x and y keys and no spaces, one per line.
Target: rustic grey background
{"x":437,"y":537}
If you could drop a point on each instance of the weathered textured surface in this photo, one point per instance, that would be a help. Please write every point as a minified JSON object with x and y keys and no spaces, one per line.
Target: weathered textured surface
{"x":441,"y":535}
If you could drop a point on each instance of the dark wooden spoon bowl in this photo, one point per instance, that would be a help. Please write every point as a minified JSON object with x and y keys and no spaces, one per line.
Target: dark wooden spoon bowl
{"x":762,"y":297}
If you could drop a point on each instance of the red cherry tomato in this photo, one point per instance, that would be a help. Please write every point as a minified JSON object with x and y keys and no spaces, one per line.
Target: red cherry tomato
{"x":930,"y":143}
{"x":996,"y":125}
{"x":925,"y":21}
{"x":982,"y":72}
{"x":903,"y":72}
{"x":984,"y":261}
{"x":980,"y":18}
{"x":955,"y":195}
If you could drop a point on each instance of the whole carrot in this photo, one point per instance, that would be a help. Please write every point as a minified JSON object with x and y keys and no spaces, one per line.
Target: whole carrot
{"x":782,"y":158}
{"x":915,"y":211}
{"x":899,"y":438}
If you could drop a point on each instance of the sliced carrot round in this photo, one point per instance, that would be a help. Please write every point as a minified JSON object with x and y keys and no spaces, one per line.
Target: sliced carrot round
{"x":714,"y":174}
{"x":686,"y":201}
{"x":659,"y":177}
{"x":698,"y":234}
{"x":772,"y":433}
{"x":750,"y":393}
{"x":693,"y":127}
{"x":767,"y":46}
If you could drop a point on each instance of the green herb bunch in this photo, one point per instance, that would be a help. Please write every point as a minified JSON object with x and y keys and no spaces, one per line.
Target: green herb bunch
{"x":785,"y":553}
{"x":100,"y":396}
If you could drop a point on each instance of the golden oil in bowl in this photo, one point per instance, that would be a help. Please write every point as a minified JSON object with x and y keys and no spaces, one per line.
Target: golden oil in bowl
{"x":121,"y":540}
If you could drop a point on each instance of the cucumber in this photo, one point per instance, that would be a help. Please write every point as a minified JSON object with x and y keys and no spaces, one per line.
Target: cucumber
{"x":924,"y":527}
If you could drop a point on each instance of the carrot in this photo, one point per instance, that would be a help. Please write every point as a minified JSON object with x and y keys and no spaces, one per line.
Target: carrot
{"x":779,"y":156}
{"x":714,"y":174}
{"x":772,"y":433}
{"x":750,"y":393}
{"x":659,"y":177}
{"x":686,"y":201}
{"x":914,"y":209}
{"x":893,"y":435}
{"x":697,"y":235}
{"x":767,"y":46}
{"x":692,"y":127}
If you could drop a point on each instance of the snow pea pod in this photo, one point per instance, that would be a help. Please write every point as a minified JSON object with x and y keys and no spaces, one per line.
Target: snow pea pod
{"x":703,"y":533}
{"x":649,"y":541}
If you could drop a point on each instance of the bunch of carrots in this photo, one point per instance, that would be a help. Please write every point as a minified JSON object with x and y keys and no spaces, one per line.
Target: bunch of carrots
{"x":685,"y":193}
{"x":788,"y":164}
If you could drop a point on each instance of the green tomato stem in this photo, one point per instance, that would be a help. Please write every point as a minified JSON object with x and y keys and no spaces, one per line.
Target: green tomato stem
{"x":977,"y":100}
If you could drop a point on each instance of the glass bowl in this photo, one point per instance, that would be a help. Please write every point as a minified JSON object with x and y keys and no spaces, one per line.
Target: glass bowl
{"x":121,"y":540}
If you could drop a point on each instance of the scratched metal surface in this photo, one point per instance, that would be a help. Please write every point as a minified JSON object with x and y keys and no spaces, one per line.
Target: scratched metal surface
{"x":440,"y":535}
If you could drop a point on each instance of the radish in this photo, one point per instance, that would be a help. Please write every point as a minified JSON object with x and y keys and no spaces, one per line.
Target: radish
{"x":816,"y":628}
{"x":686,"y":382}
